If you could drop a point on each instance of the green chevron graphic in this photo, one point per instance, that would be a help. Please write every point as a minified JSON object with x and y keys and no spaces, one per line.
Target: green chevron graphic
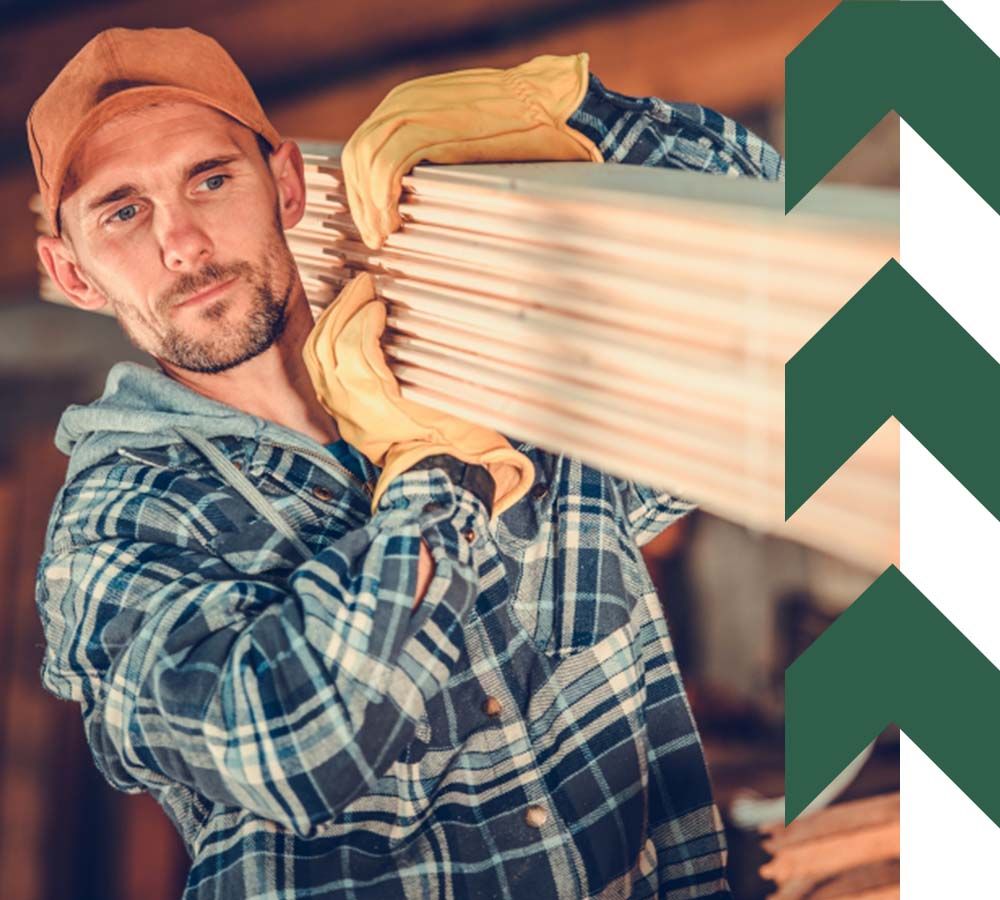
{"x":891,"y":351}
{"x":892,"y":657}
{"x":869,"y":57}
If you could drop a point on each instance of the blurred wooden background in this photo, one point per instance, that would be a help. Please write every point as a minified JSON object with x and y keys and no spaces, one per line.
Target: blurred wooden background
{"x":319,"y":68}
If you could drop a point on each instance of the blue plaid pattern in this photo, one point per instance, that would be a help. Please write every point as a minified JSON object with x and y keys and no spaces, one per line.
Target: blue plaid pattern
{"x":648,"y":131}
{"x":524,"y":733}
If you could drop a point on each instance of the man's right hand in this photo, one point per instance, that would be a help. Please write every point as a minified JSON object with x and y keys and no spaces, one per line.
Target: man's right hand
{"x":355,"y":385}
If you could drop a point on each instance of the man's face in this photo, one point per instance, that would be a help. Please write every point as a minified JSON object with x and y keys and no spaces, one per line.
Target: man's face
{"x":173,"y":218}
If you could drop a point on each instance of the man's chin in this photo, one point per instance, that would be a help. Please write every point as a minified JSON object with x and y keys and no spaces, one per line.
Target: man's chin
{"x":209,"y":355}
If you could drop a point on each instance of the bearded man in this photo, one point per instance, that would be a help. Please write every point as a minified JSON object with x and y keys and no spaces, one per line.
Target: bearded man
{"x":391,"y":666}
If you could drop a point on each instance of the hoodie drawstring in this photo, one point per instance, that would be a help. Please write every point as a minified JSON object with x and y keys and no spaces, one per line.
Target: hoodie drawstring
{"x":240,"y":483}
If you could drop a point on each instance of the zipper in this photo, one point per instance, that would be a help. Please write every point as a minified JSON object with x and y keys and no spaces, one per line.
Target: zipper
{"x":327,"y":461}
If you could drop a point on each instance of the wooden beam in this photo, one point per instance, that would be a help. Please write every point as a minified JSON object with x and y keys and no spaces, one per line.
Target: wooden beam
{"x":724,"y":53}
{"x":728,"y":54}
{"x":846,"y":850}
{"x":635,"y":318}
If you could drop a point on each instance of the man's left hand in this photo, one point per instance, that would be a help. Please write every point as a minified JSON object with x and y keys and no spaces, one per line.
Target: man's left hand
{"x":473,"y":115}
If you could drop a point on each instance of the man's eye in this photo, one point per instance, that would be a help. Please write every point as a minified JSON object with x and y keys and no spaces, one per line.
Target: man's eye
{"x":214,"y":182}
{"x":125,"y":213}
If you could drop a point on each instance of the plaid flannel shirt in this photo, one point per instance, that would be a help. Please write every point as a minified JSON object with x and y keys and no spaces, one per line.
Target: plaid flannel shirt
{"x":524,"y":732}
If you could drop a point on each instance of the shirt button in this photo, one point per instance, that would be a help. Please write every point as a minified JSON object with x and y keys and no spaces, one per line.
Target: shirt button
{"x":237,"y":465}
{"x":492,"y":707}
{"x":536,"y":816}
{"x":539,"y":491}
{"x":469,"y":535}
{"x":322,"y":493}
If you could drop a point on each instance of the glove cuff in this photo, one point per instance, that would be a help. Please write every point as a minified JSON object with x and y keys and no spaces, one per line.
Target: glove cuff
{"x":473,"y":478}
{"x":552,"y":88}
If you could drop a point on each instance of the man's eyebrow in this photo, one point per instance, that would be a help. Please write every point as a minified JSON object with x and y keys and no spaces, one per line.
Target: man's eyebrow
{"x":212,"y":163}
{"x":119,"y":193}
{"x":130,"y":190}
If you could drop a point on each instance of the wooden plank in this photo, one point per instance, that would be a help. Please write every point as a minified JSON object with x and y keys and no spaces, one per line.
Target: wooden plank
{"x":875,"y":881}
{"x":666,"y":367}
{"x":555,"y":342}
{"x":845,"y":850}
{"x":724,"y":53}
{"x":865,"y":813}
{"x":828,"y":855}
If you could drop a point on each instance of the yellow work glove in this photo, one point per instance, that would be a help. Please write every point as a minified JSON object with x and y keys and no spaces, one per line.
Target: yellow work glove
{"x":474,"y":115}
{"x":348,"y":370}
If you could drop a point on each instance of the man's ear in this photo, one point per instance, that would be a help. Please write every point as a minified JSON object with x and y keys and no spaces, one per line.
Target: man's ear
{"x":288,"y":170}
{"x":60,"y":262}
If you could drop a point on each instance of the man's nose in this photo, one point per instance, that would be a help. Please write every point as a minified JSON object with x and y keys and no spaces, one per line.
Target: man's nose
{"x":185,"y":243}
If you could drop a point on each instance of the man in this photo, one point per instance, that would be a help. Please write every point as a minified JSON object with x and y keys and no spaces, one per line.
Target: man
{"x":447,"y":675}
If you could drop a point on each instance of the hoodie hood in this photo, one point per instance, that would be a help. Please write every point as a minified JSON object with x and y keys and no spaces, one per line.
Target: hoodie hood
{"x":141,"y":408}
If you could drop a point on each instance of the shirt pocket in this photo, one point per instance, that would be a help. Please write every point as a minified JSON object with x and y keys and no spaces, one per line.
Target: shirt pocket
{"x":573,"y":581}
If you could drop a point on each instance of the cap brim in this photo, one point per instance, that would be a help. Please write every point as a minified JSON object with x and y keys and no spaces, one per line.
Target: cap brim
{"x":121,"y":102}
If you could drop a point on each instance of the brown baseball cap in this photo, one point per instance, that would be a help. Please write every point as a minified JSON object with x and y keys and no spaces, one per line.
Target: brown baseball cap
{"x":122,"y":68}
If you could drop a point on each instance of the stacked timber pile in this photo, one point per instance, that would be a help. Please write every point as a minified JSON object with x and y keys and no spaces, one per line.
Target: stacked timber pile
{"x":848,"y":850}
{"x":637,"y":319}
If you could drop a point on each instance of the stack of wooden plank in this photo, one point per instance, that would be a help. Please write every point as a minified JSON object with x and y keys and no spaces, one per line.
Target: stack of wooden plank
{"x":848,"y":850}
{"x":635,"y":318}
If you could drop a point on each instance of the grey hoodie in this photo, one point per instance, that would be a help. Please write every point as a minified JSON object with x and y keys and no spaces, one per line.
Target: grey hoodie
{"x":142,"y":408}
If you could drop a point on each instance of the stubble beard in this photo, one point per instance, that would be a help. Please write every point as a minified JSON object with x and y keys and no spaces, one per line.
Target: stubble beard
{"x":230,"y":344}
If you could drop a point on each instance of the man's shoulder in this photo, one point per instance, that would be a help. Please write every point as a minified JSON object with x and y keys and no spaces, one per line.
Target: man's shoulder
{"x":132,"y":494}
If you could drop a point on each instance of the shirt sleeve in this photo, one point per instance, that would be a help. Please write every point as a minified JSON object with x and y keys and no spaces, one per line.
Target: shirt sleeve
{"x":648,"y":131}
{"x":649,"y":510}
{"x":287,"y":696}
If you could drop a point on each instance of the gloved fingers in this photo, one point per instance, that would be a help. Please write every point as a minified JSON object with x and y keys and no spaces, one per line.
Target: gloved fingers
{"x":383,"y":150}
{"x":374,"y":163}
{"x":354,"y":295}
{"x":319,"y":351}
{"x":374,"y":207}
{"x":367,"y":387}
{"x":355,"y":162}
{"x":366,"y":393}
{"x":372,"y":318}
{"x":336,"y":318}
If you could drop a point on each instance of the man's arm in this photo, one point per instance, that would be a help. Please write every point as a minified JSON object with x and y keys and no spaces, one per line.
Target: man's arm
{"x":487,"y":118}
{"x":288,"y":701}
{"x":648,"y":131}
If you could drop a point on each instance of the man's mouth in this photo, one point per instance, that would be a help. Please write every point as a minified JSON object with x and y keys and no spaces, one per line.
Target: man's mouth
{"x":210,"y":293}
